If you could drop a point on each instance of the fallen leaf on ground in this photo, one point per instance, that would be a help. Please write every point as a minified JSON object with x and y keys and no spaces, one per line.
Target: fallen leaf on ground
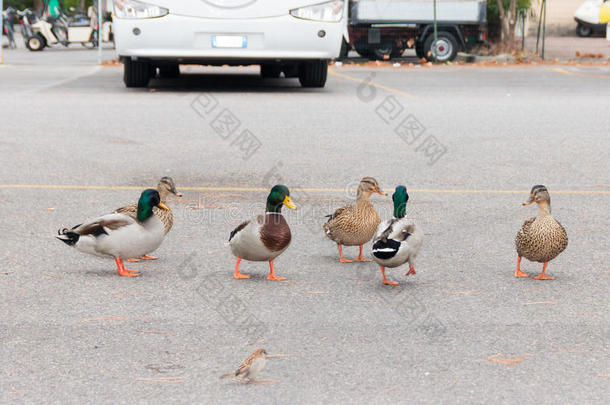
{"x":110,"y":318}
{"x":461,"y":292}
{"x":540,"y":303}
{"x":158,"y":379}
{"x":283,"y":355}
{"x":507,"y":359}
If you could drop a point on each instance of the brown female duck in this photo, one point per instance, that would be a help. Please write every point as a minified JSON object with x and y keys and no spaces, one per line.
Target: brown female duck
{"x":542,"y":238}
{"x":355,"y":225}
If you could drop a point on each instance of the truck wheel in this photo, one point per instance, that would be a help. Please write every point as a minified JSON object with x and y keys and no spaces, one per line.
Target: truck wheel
{"x":271,"y":71}
{"x":313,"y":74}
{"x":445,"y":50}
{"x":364,"y":50}
{"x":35,"y":43}
{"x":136,"y":73}
{"x":583,"y":31}
{"x":383,"y":51}
{"x":169,"y":71}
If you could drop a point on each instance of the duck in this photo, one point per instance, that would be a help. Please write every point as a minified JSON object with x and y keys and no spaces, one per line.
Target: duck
{"x":397,"y":240}
{"x":355,"y":225}
{"x":542,"y":238}
{"x":264,"y":237}
{"x":164,"y":188}
{"x":120,"y":235}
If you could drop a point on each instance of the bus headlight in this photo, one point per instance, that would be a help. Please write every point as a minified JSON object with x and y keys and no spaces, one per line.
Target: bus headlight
{"x":330,"y":11}
{"x":137,"y":9}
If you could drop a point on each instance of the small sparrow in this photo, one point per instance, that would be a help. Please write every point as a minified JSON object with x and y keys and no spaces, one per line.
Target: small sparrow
{"x":250,"y":367}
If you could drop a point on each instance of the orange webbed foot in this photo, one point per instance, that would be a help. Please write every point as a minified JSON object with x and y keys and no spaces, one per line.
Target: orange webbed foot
{"x":128,"y":273}
{"x":341,"y":258}
{"x":543,"y":276}
{"x":360,"y":258}
{"x":272,"y":276}
{"x":518,"y":272}
{"x":385,"y":280}
{"x":146,"y":257}
{"x":133,"y":260}
{"x":236,"y":273}
{"x":122,"y":271}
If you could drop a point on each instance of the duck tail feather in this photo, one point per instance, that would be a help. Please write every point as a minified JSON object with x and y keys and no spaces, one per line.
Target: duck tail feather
{"x":68,"y":237}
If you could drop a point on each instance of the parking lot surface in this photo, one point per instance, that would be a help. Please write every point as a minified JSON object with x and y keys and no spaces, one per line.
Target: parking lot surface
{"x":468,"y":142}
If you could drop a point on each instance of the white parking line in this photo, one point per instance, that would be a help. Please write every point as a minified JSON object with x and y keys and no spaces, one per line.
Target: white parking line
{"x":63,"y":81}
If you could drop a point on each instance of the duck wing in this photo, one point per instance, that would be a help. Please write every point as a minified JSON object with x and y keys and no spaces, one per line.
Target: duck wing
{"x":104,"y":225}
{"x":239,"y":228}
{"x":388,"y":242}
{"x":126,"y":209}
{"x":339,"y":212}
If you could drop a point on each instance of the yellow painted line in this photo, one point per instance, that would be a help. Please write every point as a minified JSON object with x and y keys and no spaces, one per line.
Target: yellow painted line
{"x":580,"y":74}
{"x":332,"y":72}
{"x":295,"y":189}
{"x":563,"y":71}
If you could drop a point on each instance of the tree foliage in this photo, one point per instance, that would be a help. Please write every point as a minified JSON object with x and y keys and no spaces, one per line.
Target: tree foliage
{"x":35,"y":4}
{"x":501,"y":23}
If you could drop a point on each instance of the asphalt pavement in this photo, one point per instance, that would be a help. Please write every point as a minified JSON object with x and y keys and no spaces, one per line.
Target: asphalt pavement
{"x":468,"y":142}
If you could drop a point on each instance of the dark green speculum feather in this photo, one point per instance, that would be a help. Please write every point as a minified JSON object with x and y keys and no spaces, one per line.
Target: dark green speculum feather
{"x":276,"y":197}
{"x":148,"y":199}
{"x":400,"y":198}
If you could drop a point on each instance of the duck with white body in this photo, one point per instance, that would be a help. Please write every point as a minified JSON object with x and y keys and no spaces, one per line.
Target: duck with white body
{"x":397,"y":240}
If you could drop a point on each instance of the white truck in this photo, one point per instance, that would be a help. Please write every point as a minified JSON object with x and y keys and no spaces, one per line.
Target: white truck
{"x":381,"y":29}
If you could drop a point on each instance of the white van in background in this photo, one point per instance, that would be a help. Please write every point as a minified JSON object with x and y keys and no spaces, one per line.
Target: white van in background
{"x":294,"y":37}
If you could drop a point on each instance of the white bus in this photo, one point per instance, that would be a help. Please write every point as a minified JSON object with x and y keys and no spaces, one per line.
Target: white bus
{"x":293,"y":37}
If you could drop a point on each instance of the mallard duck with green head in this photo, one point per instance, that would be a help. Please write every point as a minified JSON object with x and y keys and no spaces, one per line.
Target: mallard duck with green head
{"x":355,"y":225}
{"x":120,"y":235}
{"x":264,"y":237}
{"x":397,"y":240}
{"x":164,"y":188}
{"x":542,"y":238}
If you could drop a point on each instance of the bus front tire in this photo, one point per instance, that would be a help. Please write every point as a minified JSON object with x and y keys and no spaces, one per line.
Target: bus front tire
{"x":313,"y":73}
{"x":136,"y":73}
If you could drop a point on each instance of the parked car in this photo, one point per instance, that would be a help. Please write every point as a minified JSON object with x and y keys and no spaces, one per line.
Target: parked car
{"x":384,"y":29}
{"x":587,"y":18}
{"x":293,"y":37}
